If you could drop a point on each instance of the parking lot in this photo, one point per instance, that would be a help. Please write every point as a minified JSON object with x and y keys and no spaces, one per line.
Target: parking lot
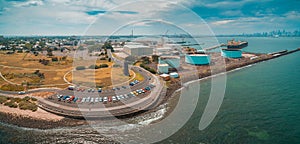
{"x":94,"y":97}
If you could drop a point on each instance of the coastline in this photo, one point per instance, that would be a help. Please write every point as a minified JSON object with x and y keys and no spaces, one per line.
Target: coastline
{"x":39,"y":119}
{"x":46,"y":120}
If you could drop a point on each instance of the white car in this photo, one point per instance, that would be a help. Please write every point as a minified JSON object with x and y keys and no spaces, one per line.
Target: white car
{"x":114,"y":99}
{"x":21,"y":92}
{"x":105,"y":100}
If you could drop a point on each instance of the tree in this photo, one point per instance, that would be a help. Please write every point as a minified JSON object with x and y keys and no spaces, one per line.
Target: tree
{"x":103,"y":66}
{"x":145,"y":60}
{"x":42,"y":44}
{"x":80,"y":68}
{"x":155,"y":58}
{"x":28,"y":46}
{"x":49,"y":52}
{"x":107,"y":45}
{"x":54,"y":59}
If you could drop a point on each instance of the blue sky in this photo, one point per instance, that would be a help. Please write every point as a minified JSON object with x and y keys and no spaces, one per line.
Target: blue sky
{"x":104,"y":17}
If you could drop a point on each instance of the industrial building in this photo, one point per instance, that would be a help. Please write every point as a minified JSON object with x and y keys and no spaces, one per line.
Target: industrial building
{"x":136,"y":49}
{"x":172,"y":61}
{"x":197,"y":59}
{"x":165,"y":77}
{"x":231,"y":53}
{"x":163,"y":68}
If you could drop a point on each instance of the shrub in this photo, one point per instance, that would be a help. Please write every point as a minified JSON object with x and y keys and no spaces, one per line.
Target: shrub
{"x":11,"y":104}
{"x":103,"y":58}
{"x":3,"y":99}
{"x":26,"y":105}
{"x":148,"y":68}
{"x":93,"y":67}
{"x":27,"y":98}
{"x":33,"y":99}
{"x":10,"y":87}
{"x":103,"y":66}
{"x":54,"y":59}
{"x":80,"y":68}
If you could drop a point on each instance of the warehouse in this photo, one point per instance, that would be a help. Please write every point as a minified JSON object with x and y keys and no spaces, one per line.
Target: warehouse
{"x":136,"y":49}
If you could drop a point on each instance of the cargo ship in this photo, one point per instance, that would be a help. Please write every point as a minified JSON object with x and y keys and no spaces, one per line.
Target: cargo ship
{"x":232,"y":44}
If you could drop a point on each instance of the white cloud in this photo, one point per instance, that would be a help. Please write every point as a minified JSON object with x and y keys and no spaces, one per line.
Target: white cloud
{"x":222,"y":22}
{"x":28,"y":3}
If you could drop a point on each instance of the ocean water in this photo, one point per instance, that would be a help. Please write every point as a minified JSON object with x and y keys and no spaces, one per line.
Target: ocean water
{"x":261,"y":105}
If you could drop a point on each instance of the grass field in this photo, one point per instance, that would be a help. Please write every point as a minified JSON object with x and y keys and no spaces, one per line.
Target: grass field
{"x":19,"y":69}
{"x":104,"y":77}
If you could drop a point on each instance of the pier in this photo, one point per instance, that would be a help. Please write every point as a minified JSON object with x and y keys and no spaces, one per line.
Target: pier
{"x":215,"y":47}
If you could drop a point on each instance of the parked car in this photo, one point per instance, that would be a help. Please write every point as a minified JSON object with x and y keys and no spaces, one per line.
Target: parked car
{"x":151,"y":85}
{"x":105,"y":100}
{"x":59,"y":97}
{"x":75,"y":99}
{"x":65,"y":97}
{"x":83,"y":100}
{"x":88,"y":99}
{"x":92,"y":100}
{"x":71,"y":98}
{"x":99,"y":90}
{"x":109,"y":99}
{"x":71,"y":87}
{"x":96,"y":99}
{"x":100,"y":99}
{"x":114,"y":99}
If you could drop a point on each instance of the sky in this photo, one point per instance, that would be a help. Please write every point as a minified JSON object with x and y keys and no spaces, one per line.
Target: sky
{"x":108,"y":17}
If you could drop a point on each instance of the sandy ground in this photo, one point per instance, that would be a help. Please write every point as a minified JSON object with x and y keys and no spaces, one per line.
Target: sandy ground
{"x":39,"y":114}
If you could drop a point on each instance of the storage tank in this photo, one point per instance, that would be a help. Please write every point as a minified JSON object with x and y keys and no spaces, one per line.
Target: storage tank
{"x":174,"y":75}
{"x":231,"y":53}
{"x":163,"y":68}
{"x":172,"y":61}
{"x":197,"y":59}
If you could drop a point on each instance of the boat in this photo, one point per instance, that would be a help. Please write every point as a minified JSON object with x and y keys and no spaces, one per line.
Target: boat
{"x":232,"y":44}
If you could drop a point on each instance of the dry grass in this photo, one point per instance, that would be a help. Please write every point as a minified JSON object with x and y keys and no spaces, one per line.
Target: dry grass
{"x":18,"y":70}
{"x":31,"y":61}
{"x":103,"y":77}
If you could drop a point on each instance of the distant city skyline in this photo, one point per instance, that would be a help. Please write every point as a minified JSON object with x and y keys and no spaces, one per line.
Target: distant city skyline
{"x":102,"y":17}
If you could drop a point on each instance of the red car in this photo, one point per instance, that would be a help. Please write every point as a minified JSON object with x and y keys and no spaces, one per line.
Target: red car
{"x":145,"y":90}
{"x":109,"y":99}
{"x":72,"y":98}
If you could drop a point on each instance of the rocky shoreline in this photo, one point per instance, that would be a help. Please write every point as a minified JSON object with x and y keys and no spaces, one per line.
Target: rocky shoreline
{"x":28,"y":122}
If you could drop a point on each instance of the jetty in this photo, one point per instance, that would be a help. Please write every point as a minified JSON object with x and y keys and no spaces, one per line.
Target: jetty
{"x":215,"y":47}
